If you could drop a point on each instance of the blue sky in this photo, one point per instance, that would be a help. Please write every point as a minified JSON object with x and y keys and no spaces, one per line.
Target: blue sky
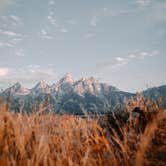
{"x":119,"y":42}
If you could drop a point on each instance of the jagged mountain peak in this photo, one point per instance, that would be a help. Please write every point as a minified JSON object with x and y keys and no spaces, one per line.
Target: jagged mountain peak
{"x":91,"y":80}
{"x":17,"y":88}
{"x":87,"y":81}
{"x":87,"y":85}
{"x":42,"y":84}
{"x":41,"y":87}
{"x":86,"y":94}
{"x":17,"y":85}
{"x":68,"y":78}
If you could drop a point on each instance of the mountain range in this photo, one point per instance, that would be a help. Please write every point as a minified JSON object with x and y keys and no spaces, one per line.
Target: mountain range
{"x":86,"y":95}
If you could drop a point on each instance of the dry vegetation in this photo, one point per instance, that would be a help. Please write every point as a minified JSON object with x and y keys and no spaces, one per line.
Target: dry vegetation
{"x":46,"y":139}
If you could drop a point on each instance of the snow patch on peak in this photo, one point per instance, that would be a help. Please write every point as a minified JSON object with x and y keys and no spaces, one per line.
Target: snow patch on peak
{"x":68,"y":78}
{"x":41,"y":87}
{"x":17,"y":88}
{"x":42,"y":84}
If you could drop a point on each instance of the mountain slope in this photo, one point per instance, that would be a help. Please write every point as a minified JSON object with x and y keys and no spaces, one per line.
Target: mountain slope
{"x":16,"y":89}
{"x":74,"y":97}
{"x":40,"y":88}
{"x":155,"y":93}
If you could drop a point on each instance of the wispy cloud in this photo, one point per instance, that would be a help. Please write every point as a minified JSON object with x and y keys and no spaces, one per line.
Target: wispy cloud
{"x":10,"y":21}
{"x":6,"y":44}
{"x":11,"y":33}
{"x":9,"y":28}
{"x":16,"y":20}
{"x":52,"y":19}
{"x":43,"y":34}
{"x":16,"y":40}
{"x":10,"y":43}
{"x":10,"y":38}
{"x":63,"y":30}
{"x":53,"y":23}
{"x":118,"y":62}
{"x":8,"y":33}
{"x":33,"y":73}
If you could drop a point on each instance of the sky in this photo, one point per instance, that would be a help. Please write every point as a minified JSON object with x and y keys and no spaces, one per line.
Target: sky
{"x":122,"y":43}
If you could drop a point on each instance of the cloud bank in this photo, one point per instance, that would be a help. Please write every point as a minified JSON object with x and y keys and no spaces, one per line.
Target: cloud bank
{"x":118,"y":61}
{"x":33,"y":73}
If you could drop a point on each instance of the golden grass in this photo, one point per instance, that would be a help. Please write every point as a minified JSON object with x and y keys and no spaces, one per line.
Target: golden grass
{"x":46,"y":139}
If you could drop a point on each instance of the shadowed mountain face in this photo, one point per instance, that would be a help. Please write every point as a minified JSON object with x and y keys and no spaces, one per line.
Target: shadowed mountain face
{"x":73,"y":97}
{"x":155,"y":93}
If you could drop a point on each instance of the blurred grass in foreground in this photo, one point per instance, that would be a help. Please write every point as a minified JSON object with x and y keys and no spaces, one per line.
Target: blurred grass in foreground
{"x":47,"y":139}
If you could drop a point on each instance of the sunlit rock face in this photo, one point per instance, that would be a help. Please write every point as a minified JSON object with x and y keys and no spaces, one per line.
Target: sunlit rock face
{"x":17,"y":89}
{"x":87,"y":85}
{"x":67,"y":79}
{"x":41,"y":87}
{"x":74,"y":97}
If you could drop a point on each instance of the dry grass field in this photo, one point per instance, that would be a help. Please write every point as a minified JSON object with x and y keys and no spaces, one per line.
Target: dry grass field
{"x":46,"y":139}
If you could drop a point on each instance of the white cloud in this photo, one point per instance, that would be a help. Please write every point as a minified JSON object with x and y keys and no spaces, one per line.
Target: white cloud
{"x":52,"y":20}
{"x":4,"y":71}
{"x":44,"y":34}
{"x":6,"y":44}
{"x":132,"y":56}
{"x":9,"y":26}
{"x":119,"y":59}
{"x":10,"y":38}
{"x":10,"y":21}
{"x":15,"y":20}
{"x":63,"y":30}
{"x":33,"y":73}
{"x":14,"y":41}
{"x":143,"y":55}
{"x":8,"y":33}
{"x":122,"y":61}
